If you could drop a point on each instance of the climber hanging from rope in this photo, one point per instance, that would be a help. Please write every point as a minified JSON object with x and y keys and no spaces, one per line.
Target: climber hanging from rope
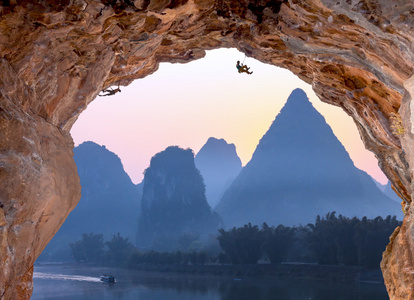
{"x":243,"y":68}
{"x":110,"y":91}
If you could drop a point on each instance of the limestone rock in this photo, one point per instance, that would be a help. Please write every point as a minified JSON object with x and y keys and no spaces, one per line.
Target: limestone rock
{"x":109,"y":202}
{"x":173,"y":203}
{"x":300,"y":170}
{"x":55,"y":57}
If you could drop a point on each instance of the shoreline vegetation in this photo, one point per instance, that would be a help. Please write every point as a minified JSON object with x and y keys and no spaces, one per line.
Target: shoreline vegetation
{"x":333,"y":248}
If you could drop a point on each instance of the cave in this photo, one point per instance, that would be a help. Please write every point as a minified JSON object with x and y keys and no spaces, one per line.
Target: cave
{"x":57,"y":55}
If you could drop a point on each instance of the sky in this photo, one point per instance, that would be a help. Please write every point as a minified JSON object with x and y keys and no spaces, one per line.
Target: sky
{"x":185,"y":104}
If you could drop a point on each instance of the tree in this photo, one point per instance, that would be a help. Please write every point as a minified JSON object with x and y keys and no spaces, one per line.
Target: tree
{"x":242,"y":245}
{"x":350,"y":241}
{"x":371,"y":237}
{"x":119,"y":249}
{"x":277,"y":241}
{"x":89,"y":249}
{"x":320,"y":239}
{"x":347,"y":252}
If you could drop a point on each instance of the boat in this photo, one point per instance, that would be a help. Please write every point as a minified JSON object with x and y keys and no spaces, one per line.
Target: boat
{"x":107,"y":278}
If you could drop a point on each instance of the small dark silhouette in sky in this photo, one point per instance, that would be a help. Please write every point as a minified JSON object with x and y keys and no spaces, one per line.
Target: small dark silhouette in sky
{"x":243,"y":68}
{"x":110,"y":91}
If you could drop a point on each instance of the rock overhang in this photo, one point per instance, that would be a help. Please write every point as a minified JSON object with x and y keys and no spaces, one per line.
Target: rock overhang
{"x":56,"y":56}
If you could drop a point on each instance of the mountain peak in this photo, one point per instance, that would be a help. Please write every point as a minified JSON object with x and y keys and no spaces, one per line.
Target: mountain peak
{"x":219,"y":165}
{"x":109,"y":203}
{"x":218,"y":146}
{"x":213,"y":140}
{"x":298,"y":170}
{"x":300,"y":126}
{"x":173,"y":201}
{"x":299,"y":105}
{"x":298,"y":96}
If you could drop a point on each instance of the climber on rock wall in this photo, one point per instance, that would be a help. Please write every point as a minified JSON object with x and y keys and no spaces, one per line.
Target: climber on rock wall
{"x":242,"y":68}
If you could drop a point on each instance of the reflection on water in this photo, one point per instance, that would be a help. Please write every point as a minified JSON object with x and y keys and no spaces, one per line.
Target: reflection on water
{"x":40,"y":275}
{"x":74,"y":282}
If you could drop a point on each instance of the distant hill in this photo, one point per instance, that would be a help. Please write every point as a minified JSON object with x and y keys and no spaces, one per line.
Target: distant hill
{"x":174,"y":207}
{"x":380,"y":186}
{"x":389,"y":192}
{"x":109,"y":203}
{"x":300,"y":170}
{"x":219,"y":165}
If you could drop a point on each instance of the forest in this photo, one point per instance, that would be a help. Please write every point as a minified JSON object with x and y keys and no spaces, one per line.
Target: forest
{"x":330,"y":240}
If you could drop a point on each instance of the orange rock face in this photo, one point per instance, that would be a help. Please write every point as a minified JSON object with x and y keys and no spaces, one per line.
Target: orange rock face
{"x":55,"y":57}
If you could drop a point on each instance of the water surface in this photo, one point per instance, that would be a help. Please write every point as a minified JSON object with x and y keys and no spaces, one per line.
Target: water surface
{"x":70,"y":282}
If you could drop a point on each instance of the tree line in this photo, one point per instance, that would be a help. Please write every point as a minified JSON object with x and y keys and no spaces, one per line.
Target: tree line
{"x":92,"y":249}
{"x":331,"y":240}
{"x":340,"y":240}
{"x":120,"y":252}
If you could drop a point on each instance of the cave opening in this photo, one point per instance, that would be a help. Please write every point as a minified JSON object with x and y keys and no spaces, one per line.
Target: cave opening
{"x":356,"y":55}
{"x":101,"y":121}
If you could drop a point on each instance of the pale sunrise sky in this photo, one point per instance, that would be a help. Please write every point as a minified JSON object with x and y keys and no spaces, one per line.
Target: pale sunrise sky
{"x":185,"y":104}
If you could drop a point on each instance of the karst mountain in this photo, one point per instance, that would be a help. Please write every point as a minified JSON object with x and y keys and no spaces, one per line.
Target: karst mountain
{"x":109,"y":203}
{"x":174,"y":208}
{"x":219,"y":165}
{"x":300,"y":170}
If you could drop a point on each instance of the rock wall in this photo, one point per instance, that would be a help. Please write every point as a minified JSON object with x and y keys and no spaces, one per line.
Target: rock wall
{"x":56,"y":55}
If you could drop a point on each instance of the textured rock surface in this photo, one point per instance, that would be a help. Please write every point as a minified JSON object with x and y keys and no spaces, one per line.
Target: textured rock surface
{"x":55,"y":56}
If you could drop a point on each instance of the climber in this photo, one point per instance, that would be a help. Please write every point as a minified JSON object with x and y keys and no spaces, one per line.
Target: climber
{"x":110,"y":91}
{"x":243,"y":68}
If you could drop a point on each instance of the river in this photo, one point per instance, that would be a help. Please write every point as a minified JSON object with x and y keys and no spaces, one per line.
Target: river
{"x":70,"y":282}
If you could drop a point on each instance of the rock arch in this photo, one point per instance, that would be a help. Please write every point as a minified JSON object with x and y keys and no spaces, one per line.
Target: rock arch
{"x":56,"y":55}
